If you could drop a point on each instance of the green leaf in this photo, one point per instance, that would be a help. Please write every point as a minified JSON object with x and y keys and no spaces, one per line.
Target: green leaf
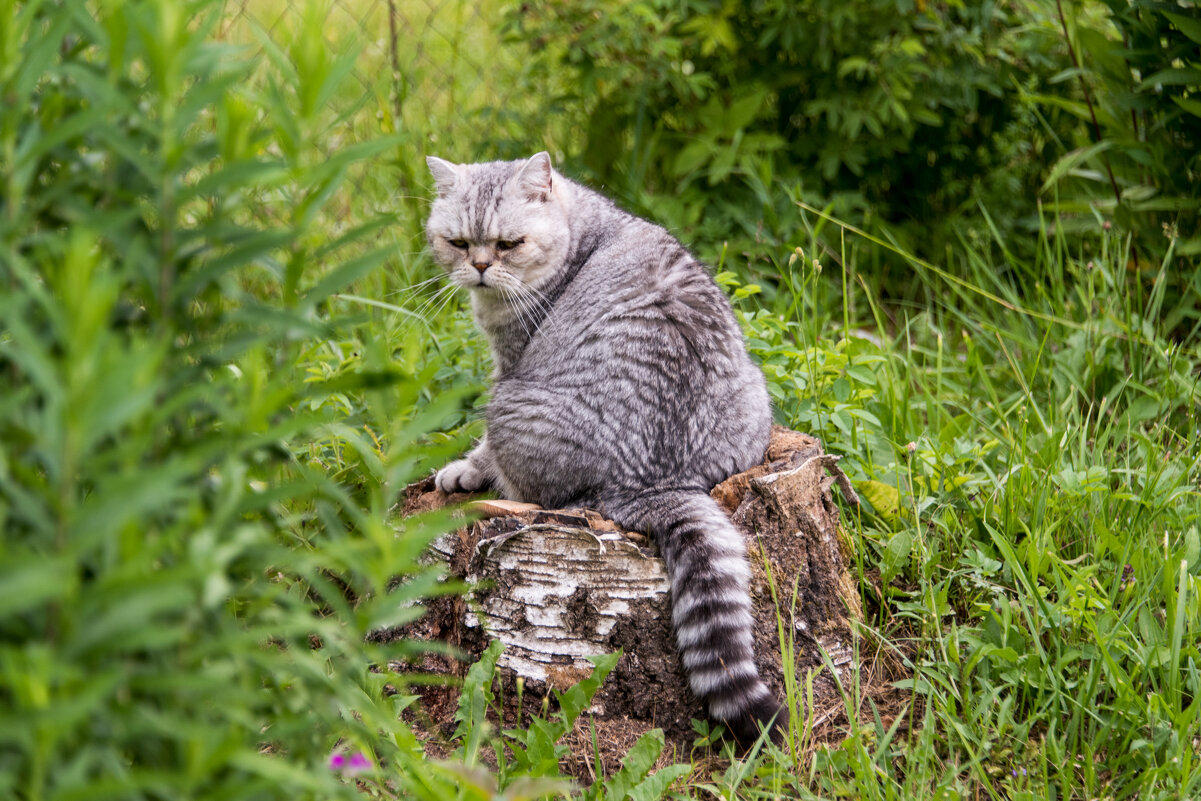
{"x":474,"y":700}
{"x":862,"y":374}
{"x":1192,"y":548}
{"x":895,"y":555}
{"x":1174,"y":76}
{"x":655,"y":786}
{"x":742,"y":111}
{"x":867,"y":417}
{"x":31,"y":582}
{"x":1189,"y":247}
{"x":252,"y":171}
{"x":528,"y":788}
{"x":348,"y":273}
{"x":1189,"y":26}
{"x":1189,"y":104}
{"x":1070,"y":161}
{"x":640,"y":759}
{"x":885,"y":499}
{"x":722,"y":165}
{"x":573,"y":701}
{"x":1077,"y":108}
{"x":856,"y":65}
{"x":841,"y":419}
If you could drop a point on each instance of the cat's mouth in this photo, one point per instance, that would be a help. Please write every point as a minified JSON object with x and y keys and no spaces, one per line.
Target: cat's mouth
{"x":473,"y":282}
{"x":481,"y":284}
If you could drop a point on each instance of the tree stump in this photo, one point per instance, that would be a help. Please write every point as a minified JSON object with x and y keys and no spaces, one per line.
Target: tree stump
{"x":556,"y":586}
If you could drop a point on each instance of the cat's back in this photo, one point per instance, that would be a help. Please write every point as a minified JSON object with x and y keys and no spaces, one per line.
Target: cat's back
{"x":637,"y":374}
{"x":635,"y":278}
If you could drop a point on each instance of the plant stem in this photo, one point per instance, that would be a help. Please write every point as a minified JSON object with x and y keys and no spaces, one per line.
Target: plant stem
{"x":394,"y":54}
{"x":1088,"y":99}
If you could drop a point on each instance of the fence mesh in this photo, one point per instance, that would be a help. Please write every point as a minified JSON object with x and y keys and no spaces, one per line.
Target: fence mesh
{"x":431,"y":61}
{"x":427,"y":69}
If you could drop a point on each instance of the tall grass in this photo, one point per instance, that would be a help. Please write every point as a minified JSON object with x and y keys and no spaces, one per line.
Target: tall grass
{"x":1028,"y":448}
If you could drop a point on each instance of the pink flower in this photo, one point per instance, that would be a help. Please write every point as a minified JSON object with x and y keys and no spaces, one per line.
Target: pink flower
{"x":357,"y":763}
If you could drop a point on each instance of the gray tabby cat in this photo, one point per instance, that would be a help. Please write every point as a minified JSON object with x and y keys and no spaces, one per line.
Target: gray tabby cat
{"x":621,"y":383}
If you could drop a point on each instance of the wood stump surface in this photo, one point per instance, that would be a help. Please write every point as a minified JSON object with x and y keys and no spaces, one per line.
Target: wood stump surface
{"x":558,"y":585}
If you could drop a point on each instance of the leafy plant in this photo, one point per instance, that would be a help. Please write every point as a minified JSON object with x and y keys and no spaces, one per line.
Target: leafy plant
{"x":183,"y":594}
{"x":1136,"y":155}
{"x":717,"y":116}
{"x":528,"y":757}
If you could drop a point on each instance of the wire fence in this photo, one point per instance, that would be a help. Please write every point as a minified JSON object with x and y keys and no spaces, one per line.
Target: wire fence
{"x":430,"y":60}
{"x":440,"y":72}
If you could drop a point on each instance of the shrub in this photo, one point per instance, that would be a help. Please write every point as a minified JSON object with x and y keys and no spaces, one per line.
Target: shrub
{"x":900,"y":112}
{"x":1137,"y":154}
{"x":184,"y":582}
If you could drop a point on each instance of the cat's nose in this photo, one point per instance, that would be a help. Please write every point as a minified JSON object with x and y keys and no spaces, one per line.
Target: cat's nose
{"x":481,"y":265}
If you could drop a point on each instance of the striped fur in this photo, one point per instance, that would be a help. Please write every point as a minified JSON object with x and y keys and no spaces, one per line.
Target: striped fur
{"x":621,"y":382}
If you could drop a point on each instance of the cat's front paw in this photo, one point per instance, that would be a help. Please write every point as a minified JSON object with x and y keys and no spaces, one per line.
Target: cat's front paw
{"x":460,"y":476}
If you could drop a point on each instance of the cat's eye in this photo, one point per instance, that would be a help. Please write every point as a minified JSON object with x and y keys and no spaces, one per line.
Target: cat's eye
{"x":508,"y":244}
{"x":461,"y":244}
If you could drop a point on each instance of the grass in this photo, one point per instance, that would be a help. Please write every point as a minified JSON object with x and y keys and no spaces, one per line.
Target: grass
{"x":1023,"y":431}
{"x":1031,"y":462}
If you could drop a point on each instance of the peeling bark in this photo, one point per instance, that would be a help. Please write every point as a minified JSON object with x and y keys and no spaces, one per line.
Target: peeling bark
{"x":558,"y":585}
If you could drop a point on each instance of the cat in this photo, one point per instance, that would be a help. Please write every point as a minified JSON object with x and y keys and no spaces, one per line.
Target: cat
{"x":621,"y":383}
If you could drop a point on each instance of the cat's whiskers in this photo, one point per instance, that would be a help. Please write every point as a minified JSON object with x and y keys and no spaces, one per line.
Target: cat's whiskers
{"x":448,"y":298}
{"x":539,"y":306}
{"x":406,"y":295}
{"x":417,"y":298}
{"x":429,"y":300}
{"x":522,"y":308}
{"x":513,"y":300}
{"x":433,"y":279}
{"x":435,"y":302}
{"x":536,"y":302}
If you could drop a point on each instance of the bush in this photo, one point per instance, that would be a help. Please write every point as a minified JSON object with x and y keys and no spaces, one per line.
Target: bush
{"x":727,"y":112}
{"x":1137,"y":152}
{"x":185,"y":583}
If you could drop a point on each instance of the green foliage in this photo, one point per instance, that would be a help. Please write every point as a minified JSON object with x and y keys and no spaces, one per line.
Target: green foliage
{"x":925,"y":123}
{"x":717,"y":115}
{"x":634,"y":780}
{"x":1136,"y":151}
{"x":1029,"y":469}
{"x":534,"y":749}
{"x":527,"y":759}
{"x":185,"y":585}
{"x":474,"y":702}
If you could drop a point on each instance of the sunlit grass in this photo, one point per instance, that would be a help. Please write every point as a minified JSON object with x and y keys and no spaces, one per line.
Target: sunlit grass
{"x":1033,"y":477}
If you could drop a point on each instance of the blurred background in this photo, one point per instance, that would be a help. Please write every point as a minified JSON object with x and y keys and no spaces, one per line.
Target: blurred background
{"x":931,"y":125}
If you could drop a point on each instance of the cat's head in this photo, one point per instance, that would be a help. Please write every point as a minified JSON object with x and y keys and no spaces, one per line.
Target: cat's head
{"x":499,"y":226}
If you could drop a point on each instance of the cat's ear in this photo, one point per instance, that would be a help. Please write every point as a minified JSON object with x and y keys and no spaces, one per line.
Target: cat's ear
{"x":446,"y":175}
{"x":535,"y":177}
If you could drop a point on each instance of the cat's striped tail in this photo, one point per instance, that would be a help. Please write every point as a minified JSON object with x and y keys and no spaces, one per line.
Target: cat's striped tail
{"x":710,"y":605}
